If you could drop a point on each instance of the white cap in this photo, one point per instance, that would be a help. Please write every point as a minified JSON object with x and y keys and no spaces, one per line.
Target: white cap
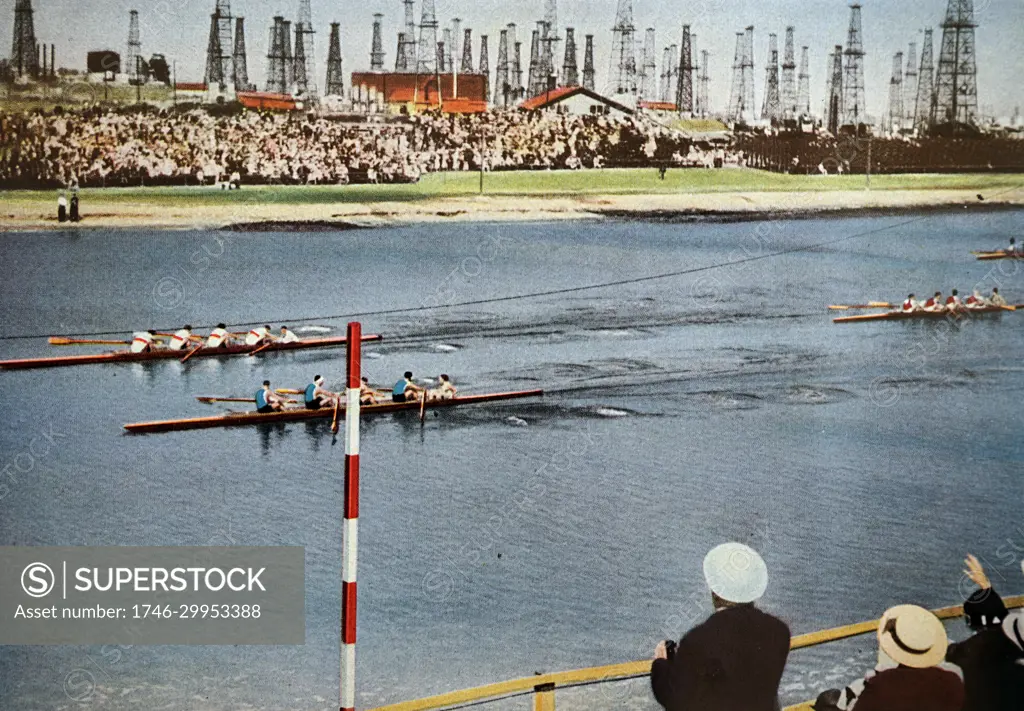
{"x":736,"y":573}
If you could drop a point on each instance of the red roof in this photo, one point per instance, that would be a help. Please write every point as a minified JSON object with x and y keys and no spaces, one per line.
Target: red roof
{"x":549,"y":98}
{"x":658,"y":105}
{"x":190,"y":86}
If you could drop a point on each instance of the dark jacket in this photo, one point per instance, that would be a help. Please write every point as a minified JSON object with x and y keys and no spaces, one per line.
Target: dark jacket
{"x":908,"y":689}
{"x":731,"y":662}
{"x":992,"y":678}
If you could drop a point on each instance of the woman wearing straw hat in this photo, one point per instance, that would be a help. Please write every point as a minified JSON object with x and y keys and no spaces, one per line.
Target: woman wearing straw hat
{"x":912,"y":644}
{"x":733,"y":661}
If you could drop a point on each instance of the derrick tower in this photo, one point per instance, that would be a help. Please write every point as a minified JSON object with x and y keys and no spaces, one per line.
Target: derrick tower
{"x":588,"y":63}
{"x":549,"y":40}
{"x":956,"y":84}
{"x":834,"y":95}
{"x":666,"y":68}
{"x":772,"y":107}
{"x":239,"y":61}
{"x":377,"y":44}
{"x":570,"y":69}
{"x":516,"y":66}
{"x":427,"y":45}
{"x":747,"y":66}
{"x":467,"y":51}
{"x":485,"y":65}
{"x":622,"y":69}
{"x":803,"y":99}
{"x":910,"y":86}
{"x":305,"y":59}
{"x":533,"y":85}
{"x":789,"y":99}
{"x":335,"y":85}
{"x":407,"y":40}
{"x":24,"y":55}
{"x":924,"y":105}
{"x":444,"y":57}
{"x":895,"y":117}
{"x":684,"y":90}
{"x":276,"y":72}
{"x":132,"y":61}
{"x":735,"y":112}
{"x":703,"y":102}
{"x":648,"y":66}
{"x":503,"y":73}
{"x":219,"y":69}
{"x":289,"y":57}
{"x":853,"y":72}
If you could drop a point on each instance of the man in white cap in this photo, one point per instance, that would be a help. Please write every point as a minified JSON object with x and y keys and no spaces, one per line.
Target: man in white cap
{"x":912,"y":644}
{"x":733,"y":661}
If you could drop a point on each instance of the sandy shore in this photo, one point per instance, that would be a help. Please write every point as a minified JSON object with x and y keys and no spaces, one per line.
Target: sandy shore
{"x":97,"y":212}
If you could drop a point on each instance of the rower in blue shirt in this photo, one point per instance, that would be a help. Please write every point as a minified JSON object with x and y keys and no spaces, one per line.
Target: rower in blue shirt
{"x":406,"y":390}
{"x":318,"y":397}
{"x":267,"y":400}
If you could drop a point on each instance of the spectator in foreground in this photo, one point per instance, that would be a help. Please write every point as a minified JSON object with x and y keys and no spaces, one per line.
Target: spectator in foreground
{"x":912,"y":644}
{"x":733,"y":661}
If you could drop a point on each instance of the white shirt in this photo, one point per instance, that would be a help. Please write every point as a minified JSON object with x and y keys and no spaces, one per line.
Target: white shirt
{"x":255,"y":336}
{"x":180,"y":339}
{"x":289,"y":337}
{"x":141,"y":342}
{"x":217,"y":338}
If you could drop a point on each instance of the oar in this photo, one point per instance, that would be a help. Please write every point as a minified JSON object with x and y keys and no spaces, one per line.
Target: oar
{"x":334,"y":422}
{"x":423,"y":407}
{"x":262,"y":348}
{"x":211,"y":400}
{"x":192,"y":353}
{"x":869,"y":305}
{"x":61,"y":341}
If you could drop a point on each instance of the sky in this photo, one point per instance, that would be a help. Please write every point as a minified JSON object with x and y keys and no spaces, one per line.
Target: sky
{"x":179,"y":29}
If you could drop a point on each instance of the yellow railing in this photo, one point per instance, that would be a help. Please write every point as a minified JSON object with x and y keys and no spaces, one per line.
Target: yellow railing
{"x":543,"y":686}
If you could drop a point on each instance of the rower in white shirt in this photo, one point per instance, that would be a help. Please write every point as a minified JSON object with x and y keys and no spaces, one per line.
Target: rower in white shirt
{"x":143,"y":341}
{"x":258,"y":336}
{"x":997,"y":299}
{"x":953,"y":302}
{"x":180,"y":339}
{"x":219,"y":337}
{"x":287,"y":336}
{"x":445,"y":390}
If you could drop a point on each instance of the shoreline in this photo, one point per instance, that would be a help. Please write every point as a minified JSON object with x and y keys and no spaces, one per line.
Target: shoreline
{"x":100,"y":212}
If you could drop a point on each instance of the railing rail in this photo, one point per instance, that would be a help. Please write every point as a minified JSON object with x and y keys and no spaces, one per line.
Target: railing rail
{"x":543,"y":686}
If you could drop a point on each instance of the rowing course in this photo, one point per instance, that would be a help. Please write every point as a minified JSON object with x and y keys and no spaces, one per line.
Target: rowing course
{"x":676,"y":414}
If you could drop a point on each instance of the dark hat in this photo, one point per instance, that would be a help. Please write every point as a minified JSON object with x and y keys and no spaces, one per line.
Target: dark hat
{"x":955,"y":292}
{"x":188,"y":328}
{"x":408,"y":374}
{"x":222,"y":325}
{"x":266,"y":383}
{"x":984,"y":609}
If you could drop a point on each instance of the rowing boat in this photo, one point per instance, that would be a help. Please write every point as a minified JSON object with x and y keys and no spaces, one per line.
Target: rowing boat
{"x":167,"y":354}
{"x":1002,"y":254}
{"x":241,"y":419}
{"x":904,"y":315}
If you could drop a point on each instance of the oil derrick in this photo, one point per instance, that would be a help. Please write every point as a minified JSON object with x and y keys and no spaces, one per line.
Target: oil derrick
{"x":570,"y":69}
{"x":400,"y":53}
{"x":622,"y":72}
{"x":239,"y":61}
{"x":703,"y":103}
{"x":747,"y":65}
{"x":684,"y":92}
{"x":648,"y":67}
{"x":735,"y":112}
{"x":134,"y":55}
{"x":335,"y":85}
{"x":666,"y":64}
{"x":426,"y":62}
{"x":771,"y":109}
{"x":789,"y":103}
{"x":219,"y":69}
{"x":24,"y":57}
{"x":408,"y":44}
{"x":853,"y":72}
{"x":956,"y":83}
{"x":213,"y":75}
{"x":549,"y":40}
{"x":276,"y":72}
{"x":588,"y":63}
{"x":910,"y":87}
{"x":517,"y":71}
{"x":895,"y":117}
{"x":924,"y":104}
{"x":834,"y":95}
{"x":534,"y":70}
{"x":803,"y":94}
{"x":304,"y":67}
{"x":445,"y":56}
{"x":377,"y":46}
{"x":289,"y":57}
{"x":485,"y":65}
{"x":673,"y":73}
{"x":455,"y":47}
{"x":503,"y":73}
{"x":467,"y":51}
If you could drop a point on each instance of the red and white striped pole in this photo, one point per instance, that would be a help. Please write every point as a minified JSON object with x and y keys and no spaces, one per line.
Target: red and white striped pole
{"x":350,"y":531}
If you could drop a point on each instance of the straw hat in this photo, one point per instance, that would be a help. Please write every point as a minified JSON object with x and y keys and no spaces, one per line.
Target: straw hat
{"x":736,"y":573}
{"x":912,"y":636}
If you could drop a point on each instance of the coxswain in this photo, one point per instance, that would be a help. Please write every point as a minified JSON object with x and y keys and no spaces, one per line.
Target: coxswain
{"x":317,"y":396}
{"x":996,"y":299}
{"x":911,"y":305}
{"x":367,"y":395}
{"x":143,"y":342}
{"x":62,"y":207}
{"x":445,"y":390}
{"x":953,"y":302}
{"x":180,"y":339}
{"x":406,"y":390}
{"x":934,"y":304}
{"x":267,"y":400}
{"x":258,"y":336}
{"x":287,"y":336}
{"x":976,"y":301}
{"x":219,"y":337}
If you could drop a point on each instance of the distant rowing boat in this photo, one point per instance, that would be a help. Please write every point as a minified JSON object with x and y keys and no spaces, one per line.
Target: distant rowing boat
{"x":167,"y":354}
{"x":241,"y":419}
{"x":1002,"y":254}
{"x":905,"y":315}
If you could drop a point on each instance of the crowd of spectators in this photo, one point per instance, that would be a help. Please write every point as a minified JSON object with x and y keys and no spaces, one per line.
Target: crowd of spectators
{"x":101,"y":147}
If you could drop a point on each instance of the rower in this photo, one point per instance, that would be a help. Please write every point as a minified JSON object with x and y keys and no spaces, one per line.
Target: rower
{"x":934,"y":304}
{"x":406,"y":390}
{"x":996,"y":299}
{"x":911,"y":305}
{"x":445,"y":390}
{"x":258,"y":336}
{"x":180,"y":339}
{"x":953,"y":302}
{"x":267,"y":400}
{"x":219,"y":337}
{"x":1012,"y":249}
{"x":143,"y":342}
{"x":287,"y":336}
{"x":976,"y":301}
{"x":317,"y":396}
{"x":367,"y":395}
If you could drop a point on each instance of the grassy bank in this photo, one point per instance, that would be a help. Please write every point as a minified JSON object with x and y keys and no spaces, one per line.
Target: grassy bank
{"x":536,"y":184}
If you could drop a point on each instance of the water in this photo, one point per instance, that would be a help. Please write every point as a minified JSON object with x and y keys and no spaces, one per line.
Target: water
{"x":863,"y":461}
